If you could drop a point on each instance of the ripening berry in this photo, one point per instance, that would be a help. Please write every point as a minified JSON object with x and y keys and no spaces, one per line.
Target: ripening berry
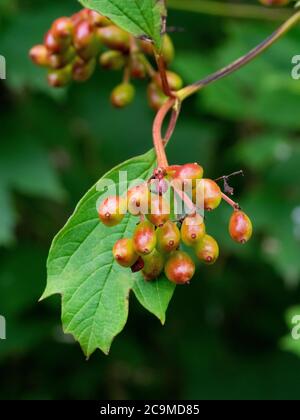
{"x":175,"y":81}
{"x":207,"y":194}
{"x":122,"y":95}
{"x":39,"y":55}
{"x":58,"y":61}
{"x":112,"y":210}
{"x":98,"y":20}
{"x":153,"y":265}
{"x":168,"y":237}
{"x":159,"y":186}
{"x":144,"y":238}
{"x":192,"y":230}
{"x":207,"y":250}
{"x":137,"y":68}
{"x":83,"y":70}
{"x":86,"y":41}
{"x":124,"y":252}
{"x":179,"y":268}
{"x":60,"y":78}
{"x":168,"y":50}
{"x":146,"y":47}
{"x":156,"y":97}
{"x":189,"y":173}
{"x":114,"y":38}
{"x":274,"y":2}
{"x":159,"y":210}
{"x":240,"y":227}
{"x":112,"y":60}
{"x":138,"y":199}
{"x":63,"y":28}
{"x":54,"y":45}
{"x":80,"y":16}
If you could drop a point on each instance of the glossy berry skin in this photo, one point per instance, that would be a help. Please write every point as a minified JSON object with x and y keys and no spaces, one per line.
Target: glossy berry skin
{"x":192,"y":230}
{"x":112,"y":210}
{"x":179,"y":268}
{"x":53,"y":45}
{"x":83,"y":70}
{"x":124,"y":253}
{"x":153,"y":265}
{"x":39,"y":55}
{"x":188,"y":173}
{"x":240,"y":227}
{"x":97,"y":19}
{"x":63,"y":28}
{"x":114,"y":38}
{"x":207,"y":250}
{"x":168,"y":237}
{"x":112,"y":60}
{"x":207,"y":195}
{"x":60,"y":78}
{"x":175,"y":81}
{"x":58,"y":61}
{"x":138,"y":199}
{"x":144,"y":238}
{"x":159,"y":210}
{"x":85,"y":40}
{"x":156,"y":97}
{"x":122,"y":95}
{"x":168,"y":50}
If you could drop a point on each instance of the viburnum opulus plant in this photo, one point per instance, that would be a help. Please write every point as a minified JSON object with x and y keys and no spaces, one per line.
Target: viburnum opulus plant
{"x":144,"y":232}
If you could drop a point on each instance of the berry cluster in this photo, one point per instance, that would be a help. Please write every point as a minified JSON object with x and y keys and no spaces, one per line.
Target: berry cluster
{"x":156,"y":244}
{"x":73,"y":46}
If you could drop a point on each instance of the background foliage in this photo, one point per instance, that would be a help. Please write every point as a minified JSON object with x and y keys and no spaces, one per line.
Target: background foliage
{"x":226,"y":336}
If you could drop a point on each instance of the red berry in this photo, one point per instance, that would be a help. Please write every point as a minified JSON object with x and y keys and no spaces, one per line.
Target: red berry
{"x":188,"y":173}
{"x":240,"y":227}
{"x":53,"y":45}
{"x":207,"y":250}
{"x":153,"y":265}
{"x":112,"y":210}
{"x":207,"y":194}
{"x":179,"y":268}
{"x":192,"y":230}
{"x":83,"y":70}
{"x":40,"y":55}
{"x":122,"y":95}
{"x":138,"y":199}
{"x":159,"y":210}
{"x":62,"y":28}
{"x":58,"y":61}
{"x":86,"y":41}
{"x":114,"y":38}
{"x":168,"y":237}
{"x":124,"y":252}
{"x":144,"y":238}
{"x":98,"y":20}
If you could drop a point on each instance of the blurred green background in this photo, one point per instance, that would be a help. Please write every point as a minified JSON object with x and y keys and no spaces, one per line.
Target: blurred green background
{"x":228,"y":335}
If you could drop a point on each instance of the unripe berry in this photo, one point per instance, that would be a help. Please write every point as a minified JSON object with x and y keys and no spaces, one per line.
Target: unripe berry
{"x":40,"y":55}
{"x":207,"y":194}
{"x":83,"y":70}
{"x":240,"y":227}
{"x":156,"y":97}
{"x":85,"y":40}
{"x":137,"y":68}
{"x":114,"y":38}
{"x":112,"y":210}
{"x":144,"y":238}
{"x":207,"y":250}
{"x":112,"y":60}
{"x":60,"y":78}
{"x":175,"y":81}
{"x":192,"y":230}
{"x":138,"y":199}
{"x":153,"y":265}
{"x":179,"y":268}
{"x":98,"y":20}
{"x":122,"y":95}
{"x":124,"y":252}
{"x":58,"y":61}
{"x":274,"y":2}
{"x":168,"y":50}
{"x":159,"y":210}
{"x":168,"y":237}
{"x":189,"y":173}
{"x":62,"y":28}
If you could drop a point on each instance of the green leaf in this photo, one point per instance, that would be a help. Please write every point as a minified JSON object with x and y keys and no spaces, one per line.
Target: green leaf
{"x":139,"y":17}
{"x":81,"y":268}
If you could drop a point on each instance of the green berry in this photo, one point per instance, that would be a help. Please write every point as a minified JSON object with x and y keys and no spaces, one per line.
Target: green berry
{"x":62,"y":29}
{"x":153,"y":265}
{"x":112,"y":60}
{"x":207,"y":194}
{"x":60,"y":78}
{"x":174,"y":80}
{"x":159,"y":210}
{"x":112,"y":210}
{"x":240,"y":227}
{"x":39,"y":55}
{"x":179,"y":268}
{"x":156,"y":97}
{"x":114,"y":38}
{"x":168,"y":50}
{"x":122,"y":95}
{"x":144,"y":238}
{"x":207,"y":250}
{"x":168,"y":237}
{"x":124,"y":253}
{"x":192,"y":230}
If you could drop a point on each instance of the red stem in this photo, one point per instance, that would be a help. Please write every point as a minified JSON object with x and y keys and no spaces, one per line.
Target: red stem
{"x":232,"y":203}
